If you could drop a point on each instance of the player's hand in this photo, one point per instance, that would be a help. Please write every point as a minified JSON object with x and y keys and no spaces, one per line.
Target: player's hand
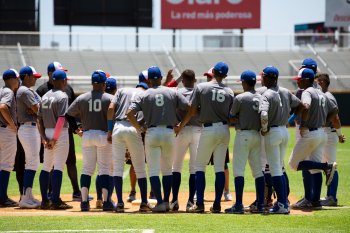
{"x":303,"y":131}
{"x":30,"y":111}
{"x":45,"y":142}
{"x":109,"y":137}
{"x":177,"y":129}
{"x":233,"y":120}
{"x":13,"y":127}
{"x":79,"y":132}
{"x":169,"y":77}
{"x":51,"y":144}
{"x":342,"y":138}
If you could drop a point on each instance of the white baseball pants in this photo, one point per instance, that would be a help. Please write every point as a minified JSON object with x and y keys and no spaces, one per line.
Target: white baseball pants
{"x":310,"y":147}
{"x":29,"y":137}
{"x":8,"y":149}
{"x":56,"y":157}
{"x":188,"y":138}
{"x":125,"y":136}
{"x":247,"y":148}
{"x":213,"y":139}
{"x":159,"y":147}
{"x":96,"y":149}
{"x":330,"y":148}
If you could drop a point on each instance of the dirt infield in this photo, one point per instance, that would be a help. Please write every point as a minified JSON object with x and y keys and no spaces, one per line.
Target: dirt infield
{"x":130,"y":208}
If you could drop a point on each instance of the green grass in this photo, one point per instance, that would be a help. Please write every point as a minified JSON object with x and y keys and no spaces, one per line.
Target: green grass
{"x":335,"y":220}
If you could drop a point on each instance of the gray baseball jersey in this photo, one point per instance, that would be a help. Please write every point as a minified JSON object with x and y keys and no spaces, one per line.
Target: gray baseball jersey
{"x":8,"y":97}
{"x":289,"y":101}
{"x":91,"y":108}
{"x":246,"y":107}
{"x":53,"y":104}
{"x":332,"y":99}
{"x":180,"y":114}
{"x":261,"y":90}
{"x":272,"y":104}
{"x":25,"y":99}
{"x":214,"y":100}
{"x":159,"y":105}
{"x":320,"y":106}
{"x":123,"y":99}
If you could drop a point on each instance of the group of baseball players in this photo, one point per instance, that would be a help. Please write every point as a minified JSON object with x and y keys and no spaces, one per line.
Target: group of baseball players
{"x":156,"y":123}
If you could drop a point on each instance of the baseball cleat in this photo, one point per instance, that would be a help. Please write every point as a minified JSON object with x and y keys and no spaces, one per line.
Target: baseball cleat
{"x":235,"y":209}
{"x":329,"y":201}
{"x":85,"y":206}
{"x":99,"y":204}
{"x":77,"y":197}
{"x":215,"y":209}
{"x":45,"y":205}
{"x":188,"y":206}
{"x":159,"y":208}
{"x":251,"y":207}
{"x":174,"y":206}
{"x":167,"y":206}
{"x":8,"y":203}
{"x":330,"y":173}
{"x":146,"y":207}
{"x":302,"y":204}
{"x":132,"y":196}
{"x":107,"y":206}
{"x":279,"y":208}
{"x":197,"y":208}
{"x":60,"y":205}
{"x":119,"y":208}
{"x":227,"y":196}
{"x":28,"y":203}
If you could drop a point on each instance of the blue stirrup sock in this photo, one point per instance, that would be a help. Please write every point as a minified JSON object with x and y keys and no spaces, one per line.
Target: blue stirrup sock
{"x":308,"y":185}
{"x":98,"y":188}
{"x":167,"y":183}
{"x":143,"y":189}
{"x":260,"y":191}
{"x":309,"y":165}
{"x":176,"y":185}
{"x":239,"y":186}
{"x":277,"y":182}
{"x":192,"y":187}
{"x":28,"y":179}
{"x":155,"y":185}
{"x":56,"y":185}
{"x":317,"y":184}
{"x":333,"y":187}
{"x":200,"y":187}
{"x":219,"y":187}
{"x":118,"y":184}
{"x":4,"y":178}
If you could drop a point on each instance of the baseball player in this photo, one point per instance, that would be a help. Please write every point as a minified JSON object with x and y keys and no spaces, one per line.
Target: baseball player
{"x":227,"y":195}
{"x":308,"y":151}
{"x":214,"y":100}
{"x":247,"y":142}
{"x":334,"y":135}
{"x":71,"y":160}
{"x":111,"y":88}
{"x":188,"y":138}
{"x":158,"y":105}
{"x":123,"y":135}
{"x":54,"y":134}
{"x":91,"y":108}
{"x":27,"y":108}
{"x":8,"y":133}
{"x":275,"y":110}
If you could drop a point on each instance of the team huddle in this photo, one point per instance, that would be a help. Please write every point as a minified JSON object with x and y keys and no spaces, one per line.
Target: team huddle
{"x":156,"y":123}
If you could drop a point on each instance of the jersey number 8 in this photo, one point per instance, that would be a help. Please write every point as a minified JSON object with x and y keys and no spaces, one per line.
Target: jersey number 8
{"x":95,"y":106}
{"x":159,"y":100}
{"x":218,"y":95}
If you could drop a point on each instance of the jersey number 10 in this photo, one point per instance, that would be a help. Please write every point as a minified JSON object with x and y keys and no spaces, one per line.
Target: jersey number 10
{"x":95,"y":106}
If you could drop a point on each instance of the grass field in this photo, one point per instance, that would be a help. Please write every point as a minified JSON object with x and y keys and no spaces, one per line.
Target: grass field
{"x":327,"y":220}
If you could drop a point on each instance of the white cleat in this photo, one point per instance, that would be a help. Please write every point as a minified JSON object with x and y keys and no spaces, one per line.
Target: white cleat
{"x":227,"y":196}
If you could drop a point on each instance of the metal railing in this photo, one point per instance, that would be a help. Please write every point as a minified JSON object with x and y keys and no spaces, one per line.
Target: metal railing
{"x":185,"y":41}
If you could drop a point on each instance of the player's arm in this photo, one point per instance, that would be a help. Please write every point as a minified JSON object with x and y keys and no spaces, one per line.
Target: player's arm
{"x":133,"y":120}
{"x":264,"y":116}
{"x":191,"y":112}
{"x":5,"y":112}
{"x":110,"y":116}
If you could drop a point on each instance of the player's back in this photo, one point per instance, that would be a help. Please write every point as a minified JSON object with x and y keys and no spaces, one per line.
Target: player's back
{"x":273,"y":105}
{"x":288,"y":101}
{"x":92,"y":109}
{"x":53,"y":104}
{"x":215,"y":101}
{"x":187,"y":92}
{"x":123,"y":99}
{"x":7,"y":97}
{"x":159,"y":106}
{"x":319,"y":108}
{"x":26,"y":97}
{"x":247,"y":106}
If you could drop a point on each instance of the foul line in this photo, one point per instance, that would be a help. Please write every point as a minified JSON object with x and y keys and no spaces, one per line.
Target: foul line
{"x":86,"y":230}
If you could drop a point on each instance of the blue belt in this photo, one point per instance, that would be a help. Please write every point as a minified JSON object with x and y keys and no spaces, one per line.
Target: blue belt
{"x":32,"y":124}
{"x":3,"y":126}
{"x":313,"y":129}
{"x":168,"y":126}
{"x":211,"y":124}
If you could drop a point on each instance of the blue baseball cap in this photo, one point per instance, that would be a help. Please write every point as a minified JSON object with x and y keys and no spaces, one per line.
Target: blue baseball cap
{"x":10,"y":73}
{"x":248,"y":75}
{"x":111,"y":83}
{"x":305,"y":73}
{"x":154,"y":72}
{"x":310,"y":63}
{"x":143,"y":85}
{"x":59,"y":75}
{"x":98,"y":76}
{"x":29,"y":70}
{"x":53,"y":66}
{"x":143,"y":76}
{"x":221,"y":68}
{"x":270,"y":71}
